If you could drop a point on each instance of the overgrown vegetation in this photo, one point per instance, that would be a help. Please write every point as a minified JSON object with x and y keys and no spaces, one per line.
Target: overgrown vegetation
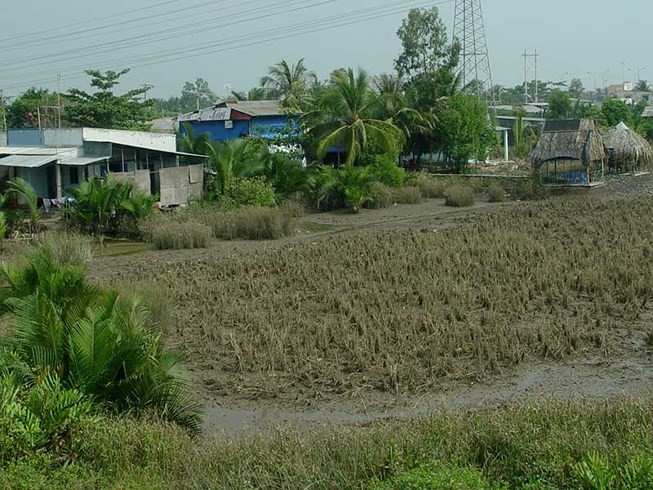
{"x":554,"y":445}
{"x":459,"y":197}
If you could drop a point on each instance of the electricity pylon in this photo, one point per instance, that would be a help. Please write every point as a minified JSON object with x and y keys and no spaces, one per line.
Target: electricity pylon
{"x":475,"y":72}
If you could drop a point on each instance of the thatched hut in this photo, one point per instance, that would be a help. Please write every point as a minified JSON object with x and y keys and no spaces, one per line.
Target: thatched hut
{"x":570,"y":152}
{"x":627,"y":150}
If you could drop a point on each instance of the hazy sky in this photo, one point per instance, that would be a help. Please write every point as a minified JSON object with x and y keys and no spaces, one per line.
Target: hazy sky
{"x":231,"y":43}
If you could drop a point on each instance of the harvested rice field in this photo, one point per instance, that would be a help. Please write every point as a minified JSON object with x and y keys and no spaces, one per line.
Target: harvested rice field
{"x":348,"y":321}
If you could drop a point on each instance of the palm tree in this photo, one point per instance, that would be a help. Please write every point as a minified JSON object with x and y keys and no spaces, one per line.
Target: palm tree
{"x":25,"y":190}
{"x":91,"y":342}
{"x":289,"y":82}
{"x":346,"y":111}
{"x":234,"y":159}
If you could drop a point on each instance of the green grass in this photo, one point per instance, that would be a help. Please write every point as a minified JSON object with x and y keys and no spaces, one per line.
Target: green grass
{"x":551,"y":445}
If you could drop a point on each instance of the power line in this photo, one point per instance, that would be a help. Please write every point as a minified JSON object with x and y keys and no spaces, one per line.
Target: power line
{"x":185,"y":30}
{"x":333,"y":22}
{"x":75,"y":24}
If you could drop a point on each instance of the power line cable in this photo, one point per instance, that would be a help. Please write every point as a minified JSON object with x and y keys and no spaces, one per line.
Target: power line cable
{"x":308,"y":28}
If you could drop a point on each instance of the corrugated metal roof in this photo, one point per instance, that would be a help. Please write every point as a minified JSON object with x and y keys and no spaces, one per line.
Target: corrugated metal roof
{"x":258,"y":107}
{"x":82,"y":161}
{"x":27,"y":161}
{"x":35,"y":150}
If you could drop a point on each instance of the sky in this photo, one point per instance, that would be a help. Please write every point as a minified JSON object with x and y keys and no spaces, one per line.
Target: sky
{"x":231,"y":43}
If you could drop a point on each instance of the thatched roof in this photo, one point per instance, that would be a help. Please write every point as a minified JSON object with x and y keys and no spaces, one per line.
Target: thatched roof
{"x":629,"y":146}
{"x":572,"y":139}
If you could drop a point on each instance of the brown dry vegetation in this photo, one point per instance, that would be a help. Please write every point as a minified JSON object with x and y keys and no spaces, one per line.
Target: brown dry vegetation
{"x":398,"y":312}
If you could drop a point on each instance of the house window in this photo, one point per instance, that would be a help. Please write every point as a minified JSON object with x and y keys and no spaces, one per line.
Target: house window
{"x":116,"y":167}
{"x":74,"y":175}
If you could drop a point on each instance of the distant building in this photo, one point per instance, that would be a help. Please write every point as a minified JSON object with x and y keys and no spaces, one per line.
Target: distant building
{"x":54,"y":161}
{"x":230,"y":120}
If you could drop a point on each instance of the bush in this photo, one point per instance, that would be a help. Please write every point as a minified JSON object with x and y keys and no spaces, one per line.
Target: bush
{"x":406,"y":195}
{"x":380,"y":196}
{"x":249,"y":223}
{"x":496,"y":193}
{"x":67,"y":248}
{"x":438,"y":476}
{"x":430,"y":187}
{"x":459,"y":197}
{"x":170,"y":234}
{"x":249,"y":192}
{"x":385,"y":171}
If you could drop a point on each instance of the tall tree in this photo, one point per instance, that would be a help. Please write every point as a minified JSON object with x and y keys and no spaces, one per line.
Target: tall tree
{"x":576,"y":88}
{"x":643,"y":86}
{"x":104,"y":109}
{"x":346,"y":113}
{"x":25,"y":109}
{"x":559,"y":105}
{"x":290,"y":82}
{"x":196,"y":95}
{"x":616,"y":111}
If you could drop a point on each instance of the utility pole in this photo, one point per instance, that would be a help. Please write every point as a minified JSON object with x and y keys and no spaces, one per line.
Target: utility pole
{"x":530,"y":67}
{"x":59,"y":99}
{"x":146,"y":89}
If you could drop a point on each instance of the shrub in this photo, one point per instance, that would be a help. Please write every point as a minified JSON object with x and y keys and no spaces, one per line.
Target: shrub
{"x":385,"y":171}
{"x":437,"y":476}
{"x":459,"y":197}
{"x":93,"y":342}
{"x":496,"y":193}
{"x":430,"y":187}
{"x":406,"y":195}
{"x":248,"y":192}
{"x":380,"y":196}
{"x":168,"y":234}
{"x":68,"y":248}
{"x":249,"y":223}
{"x":108,"y":207}
{"x":293,"y":208}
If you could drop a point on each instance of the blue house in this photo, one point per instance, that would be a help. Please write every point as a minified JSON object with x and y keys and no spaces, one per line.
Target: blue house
{"x":238,"y":119}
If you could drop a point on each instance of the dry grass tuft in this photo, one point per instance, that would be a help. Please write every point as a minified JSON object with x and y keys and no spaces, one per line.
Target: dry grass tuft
{"x":496,"y":193}
{"x":171,"y":233}
{"x":248,"y":223}
{"x":68,"y":248}
{"x":406,"y":195}
{"x":459,"y":197}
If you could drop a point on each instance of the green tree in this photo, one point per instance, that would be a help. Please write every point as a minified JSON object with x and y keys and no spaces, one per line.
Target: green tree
{"x":290,"y":82}
{"x":104,"y":109}
{"x":346,"y":118}
{"x":23,"y":112}
{"x":576,"y":89}
{"x":235,"y":159}
{"x":559,"y":105}
{"x":643,"y":86}
{"x":615,"y":111}
{"x":463,"y":131}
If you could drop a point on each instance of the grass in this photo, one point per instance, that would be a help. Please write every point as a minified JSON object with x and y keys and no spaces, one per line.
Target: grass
{"x":406,"y":195}
{"x":248,"y":223}
{"x":399,"y":312}
{"x":552,"y":445}
{"x":68,"y":248}
{"x":496,"y":193}
{"x":459,"y":197}
{"x":169,"y":232}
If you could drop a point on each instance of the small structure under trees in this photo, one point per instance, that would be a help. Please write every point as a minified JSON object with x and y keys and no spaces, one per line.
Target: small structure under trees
{"x":628,"y":152}
{"x":570,"y":152}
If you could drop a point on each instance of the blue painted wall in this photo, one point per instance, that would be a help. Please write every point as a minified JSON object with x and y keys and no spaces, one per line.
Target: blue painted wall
{"x":265,"y":126}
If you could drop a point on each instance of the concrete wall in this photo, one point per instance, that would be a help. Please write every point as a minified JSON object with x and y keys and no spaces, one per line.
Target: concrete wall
{"x":140,"y":178}
{"x":24,"y":137}
{"x":62,"y":137}
{"x":3,"y":138}
{"x":179,"y":185}
{"x":154,"y":141}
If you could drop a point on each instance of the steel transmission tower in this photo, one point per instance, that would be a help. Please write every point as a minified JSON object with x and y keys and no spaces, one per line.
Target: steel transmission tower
{"x":475,"y":72}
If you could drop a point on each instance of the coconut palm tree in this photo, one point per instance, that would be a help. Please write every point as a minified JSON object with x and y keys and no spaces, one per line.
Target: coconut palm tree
{"x":91,"y":342}
{"x":26,"y":192}
{"x":289,"y":82}
{"x":347,"y":117}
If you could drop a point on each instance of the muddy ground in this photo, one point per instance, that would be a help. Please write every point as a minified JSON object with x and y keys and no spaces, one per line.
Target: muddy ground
{"x":628,"y":371}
